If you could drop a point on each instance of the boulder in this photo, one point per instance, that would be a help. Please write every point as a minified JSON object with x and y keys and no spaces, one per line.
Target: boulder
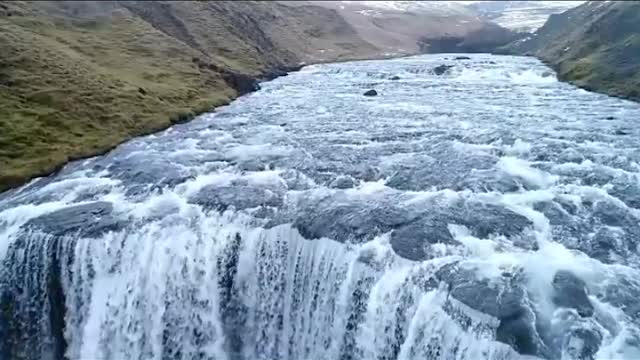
{"x":505,"y":299}
{"x":462,"y":58}
{"x":239,"y":197}
{"x":242,"y":83}
{"x":343,"y":182}
{"x":582,"y":344}
{"x":439,"y":70}
{"x":412,"y":241}
{"x":370,"y":93}
{"x":394,"y":77}
{"x":571,"y":292}
{"x":343,"y":219}
{"x":89,"y":220}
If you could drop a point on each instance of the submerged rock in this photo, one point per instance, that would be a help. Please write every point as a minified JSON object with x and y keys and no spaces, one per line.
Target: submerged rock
{"x":571,"y":292}
{"x":505,"y":299}
{"x":394,"y":77}
{"x":440,"y":70}
{"x":88,"y":220}
{"x":239,"y":197}
{"x":462,"y":58}
{"x":339,"y":218}
{"x":370,"y":93}
{"x":582,"y":344}
{"x":343,"y":182}
{"x":413,"y":240}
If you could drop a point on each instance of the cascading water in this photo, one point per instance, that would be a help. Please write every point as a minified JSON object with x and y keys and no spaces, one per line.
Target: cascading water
{"x":490,"y":212}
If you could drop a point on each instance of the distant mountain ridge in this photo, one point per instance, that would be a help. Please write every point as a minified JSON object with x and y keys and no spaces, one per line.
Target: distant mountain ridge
{"x":409,"y":27}
{"x":524,"y":16}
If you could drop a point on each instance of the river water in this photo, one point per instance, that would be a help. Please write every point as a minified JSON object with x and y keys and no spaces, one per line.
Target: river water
{"x":490,"y":212}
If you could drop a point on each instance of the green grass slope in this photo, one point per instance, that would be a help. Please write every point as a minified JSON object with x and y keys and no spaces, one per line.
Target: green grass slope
{"x":78,"y":78}
{"x":595,"y":46}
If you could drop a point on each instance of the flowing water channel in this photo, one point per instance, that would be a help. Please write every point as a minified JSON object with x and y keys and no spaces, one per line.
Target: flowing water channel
{"x":490,"y":212}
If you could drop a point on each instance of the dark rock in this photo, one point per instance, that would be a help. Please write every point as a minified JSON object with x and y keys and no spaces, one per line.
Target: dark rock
{"x":142,"y":91}
{"x":443,"y":167}
{"x":370,"y":93}
{"x":273,"y":74}
{"x":621,"y":132}
{"x":582,"y":344}
{"x":611,"y":214}
{"x":439,"y":70}
{"x":462,"y":58}
{"x":485,"y":219}
{"x":394,"y":77}
{"x":338,"y":218}
{"x":343,"y":182}
{"x":518,"y":331}
{"x":182,"y":118}
{"x":242,"y":83}
{"x":88,"y":220}
{"x":145,"y":170}
{"x":505,"y":299}
{"x":367,"y":173}
{"x":412,"y":241}
{"x":610,"y":118}
{"x":628,"y":192}
{"x":296,"y":180}
{"x":239,"y":197}
{"x":570,"y":292}
{"x":605,"y":244}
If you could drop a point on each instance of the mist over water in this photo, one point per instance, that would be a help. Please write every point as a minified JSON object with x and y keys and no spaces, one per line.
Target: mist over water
{"x":487,"y":213}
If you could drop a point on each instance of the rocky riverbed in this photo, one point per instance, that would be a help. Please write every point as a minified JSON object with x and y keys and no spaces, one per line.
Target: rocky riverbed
{"x":487,"y":211}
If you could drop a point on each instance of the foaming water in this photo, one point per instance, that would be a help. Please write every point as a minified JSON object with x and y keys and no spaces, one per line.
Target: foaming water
{"x":490,"y":212}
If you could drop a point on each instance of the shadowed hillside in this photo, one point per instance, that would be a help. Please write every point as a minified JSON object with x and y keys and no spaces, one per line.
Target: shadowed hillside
{"x":77,"y":78}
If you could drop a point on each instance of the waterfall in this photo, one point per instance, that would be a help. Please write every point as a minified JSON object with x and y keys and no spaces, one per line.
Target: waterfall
{"x":211,"y":288}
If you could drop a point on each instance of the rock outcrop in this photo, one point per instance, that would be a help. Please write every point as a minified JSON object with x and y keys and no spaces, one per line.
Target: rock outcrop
{"x":595,"y":46}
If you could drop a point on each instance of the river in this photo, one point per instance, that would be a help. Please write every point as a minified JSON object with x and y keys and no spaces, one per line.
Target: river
{"x":490,"y":212}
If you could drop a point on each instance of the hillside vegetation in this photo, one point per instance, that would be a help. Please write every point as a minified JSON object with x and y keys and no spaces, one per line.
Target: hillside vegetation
{"x":77,"y":78}
{"x":595,"y":45}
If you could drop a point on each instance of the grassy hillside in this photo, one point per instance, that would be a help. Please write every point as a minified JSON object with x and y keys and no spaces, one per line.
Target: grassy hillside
{"x":595,"y":45}
{"x":77,"y":78}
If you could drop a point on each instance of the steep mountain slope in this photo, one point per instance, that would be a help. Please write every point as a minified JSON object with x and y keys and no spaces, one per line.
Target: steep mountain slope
{"x":408,"y":27}
{"x":521,"y":15}
{"x":595,"y":45}
{"x":77,"y":78}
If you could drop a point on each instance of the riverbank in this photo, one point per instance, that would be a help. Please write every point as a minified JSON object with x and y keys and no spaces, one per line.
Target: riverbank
{"x":78,"y":79}
{"x":594,"y":46}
